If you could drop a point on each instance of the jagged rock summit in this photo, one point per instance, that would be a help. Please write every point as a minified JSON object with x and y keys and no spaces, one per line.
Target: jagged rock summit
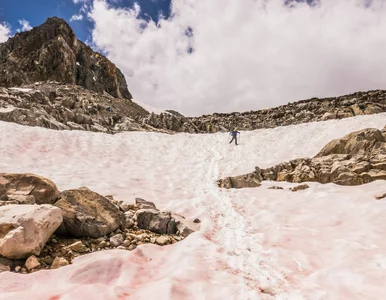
{"x":51,"y":52}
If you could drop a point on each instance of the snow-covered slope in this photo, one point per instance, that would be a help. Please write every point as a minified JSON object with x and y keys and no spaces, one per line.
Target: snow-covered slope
{"x":326,"y":242}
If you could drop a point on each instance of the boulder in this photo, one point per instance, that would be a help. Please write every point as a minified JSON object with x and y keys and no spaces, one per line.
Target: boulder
{"x":32,"y":262}
{"x":357,"y":111}
{"x":156,"y":221}
{"x":27,"y":189}
{"x":143,"y":204}
{"x":25,"y":229}
{"x":59,"y":262}
{"x":78,"y":247}
{"x":185,"y":227}
{"x":125,"y":206}
{"x":238,"y":182}
{"x":10,"y":264}
{"x":87,"y":214}
{"x":300,"y":187}
{"x":129,"y":222}
{"x":355,"y":143}
{"x":116,"y":240}
{"x":163,"y":240}
{"x":373,"y":109}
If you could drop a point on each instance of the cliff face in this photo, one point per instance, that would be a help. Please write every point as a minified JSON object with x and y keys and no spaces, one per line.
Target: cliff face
{"x":51,"y":52}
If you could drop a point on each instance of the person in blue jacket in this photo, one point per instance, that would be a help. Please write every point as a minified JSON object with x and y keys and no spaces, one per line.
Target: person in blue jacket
{"x":234,"y":133}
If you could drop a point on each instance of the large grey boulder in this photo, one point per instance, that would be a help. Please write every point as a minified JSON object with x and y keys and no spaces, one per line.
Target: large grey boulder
{"x":88,"y":214}
{"x":156,"y":221}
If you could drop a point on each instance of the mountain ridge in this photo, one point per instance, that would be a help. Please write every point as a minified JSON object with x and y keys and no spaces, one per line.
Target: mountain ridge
{"x":52,"y":51}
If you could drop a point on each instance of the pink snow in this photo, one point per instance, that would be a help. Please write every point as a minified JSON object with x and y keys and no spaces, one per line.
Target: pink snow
{"x":326,"y":242}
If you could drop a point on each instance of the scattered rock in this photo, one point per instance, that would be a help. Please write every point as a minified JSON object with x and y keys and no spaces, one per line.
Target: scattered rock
{"x":379,"y":197}
{"x":32,"y":262}
{"x":299,"y":187}
{"x":10,"y":264}
{"x":163,"y":240}
{"x":126,"y":207}
{"x":25,"y":229}
{"x":4,"y":268}
{"x":87,"y":214}
{"x":197,"y":221}
{"x":238,"y":182}
{"x":116,"y":240}
{"x":59,"y":262}
{"x":103,"y":244}
{"x":275,"y":188}
{"x":78,"y":247}
{"x":129,"y":223}
{"x":126,"y":243}
{"x":132,"y":247}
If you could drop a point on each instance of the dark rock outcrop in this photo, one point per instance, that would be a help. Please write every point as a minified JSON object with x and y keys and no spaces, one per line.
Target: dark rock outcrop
{"x":51,"y":51}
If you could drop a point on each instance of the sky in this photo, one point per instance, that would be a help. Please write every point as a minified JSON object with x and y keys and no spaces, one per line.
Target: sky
{"x":200,"y":57}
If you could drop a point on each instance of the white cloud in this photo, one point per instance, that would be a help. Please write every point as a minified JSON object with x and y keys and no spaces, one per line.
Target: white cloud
{"x":25,"y":25}
{"x":5,"y":31}
{"x":248,"y":54}
{"x":78,"y":17}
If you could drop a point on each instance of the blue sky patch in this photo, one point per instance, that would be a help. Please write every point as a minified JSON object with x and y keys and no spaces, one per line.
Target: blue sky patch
{"x":37,"y":11}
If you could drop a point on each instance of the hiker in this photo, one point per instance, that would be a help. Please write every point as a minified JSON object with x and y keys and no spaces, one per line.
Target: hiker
{"x":234,"y":133}
{"x":109,"y":109}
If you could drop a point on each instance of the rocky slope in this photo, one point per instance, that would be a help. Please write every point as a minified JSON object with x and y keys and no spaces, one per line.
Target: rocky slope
{"x":51,"y":51}
{"x":311,"y":110}
{"x":357,"y":158}
{"x":70,"y":107}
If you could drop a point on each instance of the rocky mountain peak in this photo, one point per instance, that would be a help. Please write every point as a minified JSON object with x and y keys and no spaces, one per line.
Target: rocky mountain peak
{"x":51,"y":52}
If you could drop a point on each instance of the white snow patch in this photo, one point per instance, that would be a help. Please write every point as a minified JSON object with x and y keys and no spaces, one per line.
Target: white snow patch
{"x":7,"y":109}
{"x":326,"y":242}
{"x":21,"y":89}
